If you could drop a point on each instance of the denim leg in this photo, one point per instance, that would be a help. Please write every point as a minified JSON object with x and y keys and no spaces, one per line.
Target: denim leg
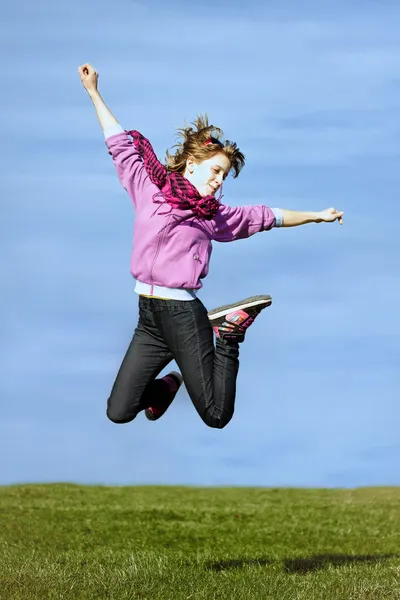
{"x":136,"y":387}
{"x":209,"y":372}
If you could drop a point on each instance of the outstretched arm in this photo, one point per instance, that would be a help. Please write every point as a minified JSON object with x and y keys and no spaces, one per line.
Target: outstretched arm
{"x":234,"y":223}
{"x":89,"y":78}
{"x":292,"y":218}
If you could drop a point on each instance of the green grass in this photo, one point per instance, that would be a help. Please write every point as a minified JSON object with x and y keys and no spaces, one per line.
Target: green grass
{"x":158,"y":543}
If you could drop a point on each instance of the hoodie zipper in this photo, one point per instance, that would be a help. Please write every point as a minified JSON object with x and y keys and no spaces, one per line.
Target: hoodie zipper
{"x":159,"y":244}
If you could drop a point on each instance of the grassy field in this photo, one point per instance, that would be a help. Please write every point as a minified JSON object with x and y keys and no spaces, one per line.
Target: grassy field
{"x":158,"y":543}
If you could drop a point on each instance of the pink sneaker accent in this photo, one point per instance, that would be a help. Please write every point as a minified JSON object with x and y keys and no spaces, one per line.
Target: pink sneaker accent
{"x":234,"y":326}
{"x":174,"y":381}
{"x":231,"y":322}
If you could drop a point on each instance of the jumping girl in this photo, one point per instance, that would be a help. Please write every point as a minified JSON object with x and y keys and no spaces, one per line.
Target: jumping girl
{"x":178,"y":216}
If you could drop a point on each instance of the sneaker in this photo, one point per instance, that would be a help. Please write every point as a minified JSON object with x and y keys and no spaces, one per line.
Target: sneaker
{"x":174,"y":381}
{"x":231,"y":321}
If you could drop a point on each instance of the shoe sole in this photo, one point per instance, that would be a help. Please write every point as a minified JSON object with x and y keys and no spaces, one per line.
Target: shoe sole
{"x":221,"y":311}
{"x":151,"y":416}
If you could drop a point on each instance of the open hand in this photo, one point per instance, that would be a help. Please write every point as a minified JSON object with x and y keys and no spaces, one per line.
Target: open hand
{"x":89,"y":77}
{"x":329,"y":215}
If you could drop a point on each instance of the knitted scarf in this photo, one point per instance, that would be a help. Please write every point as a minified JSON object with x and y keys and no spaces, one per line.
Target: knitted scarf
{"x":176,"y":189}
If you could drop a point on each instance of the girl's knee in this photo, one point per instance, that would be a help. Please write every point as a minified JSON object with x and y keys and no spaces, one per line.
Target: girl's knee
{"x":117,"y":415}
{"x":217,"y":422}
{"x":218,"y":425}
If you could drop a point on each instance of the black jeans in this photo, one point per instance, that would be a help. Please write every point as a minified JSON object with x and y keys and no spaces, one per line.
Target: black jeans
{"x":179,"y":330}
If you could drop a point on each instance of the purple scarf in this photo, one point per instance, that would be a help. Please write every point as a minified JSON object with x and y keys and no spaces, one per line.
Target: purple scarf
{"x":176,"y":189}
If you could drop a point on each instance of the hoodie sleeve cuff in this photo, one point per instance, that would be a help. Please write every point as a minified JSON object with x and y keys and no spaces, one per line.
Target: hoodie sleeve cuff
{"x":113,"y":130}
{"x":278,"y":217}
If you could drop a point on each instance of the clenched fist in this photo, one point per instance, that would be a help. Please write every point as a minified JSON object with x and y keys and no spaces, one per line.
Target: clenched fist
{"x":89,"y":77}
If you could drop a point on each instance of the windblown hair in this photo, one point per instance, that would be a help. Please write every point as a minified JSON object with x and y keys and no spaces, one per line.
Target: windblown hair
{"x":193,"y":145}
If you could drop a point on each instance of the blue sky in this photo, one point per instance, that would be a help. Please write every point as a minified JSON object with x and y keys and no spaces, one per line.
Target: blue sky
{"x":312,"y":96}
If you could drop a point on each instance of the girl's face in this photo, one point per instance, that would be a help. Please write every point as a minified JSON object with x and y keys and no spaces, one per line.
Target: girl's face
{"x":207,"y":176}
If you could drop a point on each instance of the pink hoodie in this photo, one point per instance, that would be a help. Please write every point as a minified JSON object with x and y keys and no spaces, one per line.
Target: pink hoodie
{"x":172,"y":247}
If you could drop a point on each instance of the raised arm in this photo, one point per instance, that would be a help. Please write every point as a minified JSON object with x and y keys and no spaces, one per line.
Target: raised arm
{"x":127,"y":161}
{"x":90,"y":78}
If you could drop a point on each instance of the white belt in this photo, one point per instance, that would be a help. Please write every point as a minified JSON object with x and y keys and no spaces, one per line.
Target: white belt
{"x":158,"y":291}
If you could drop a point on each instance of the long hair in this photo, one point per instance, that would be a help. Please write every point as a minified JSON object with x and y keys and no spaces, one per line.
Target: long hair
{"x":202,"y":141}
